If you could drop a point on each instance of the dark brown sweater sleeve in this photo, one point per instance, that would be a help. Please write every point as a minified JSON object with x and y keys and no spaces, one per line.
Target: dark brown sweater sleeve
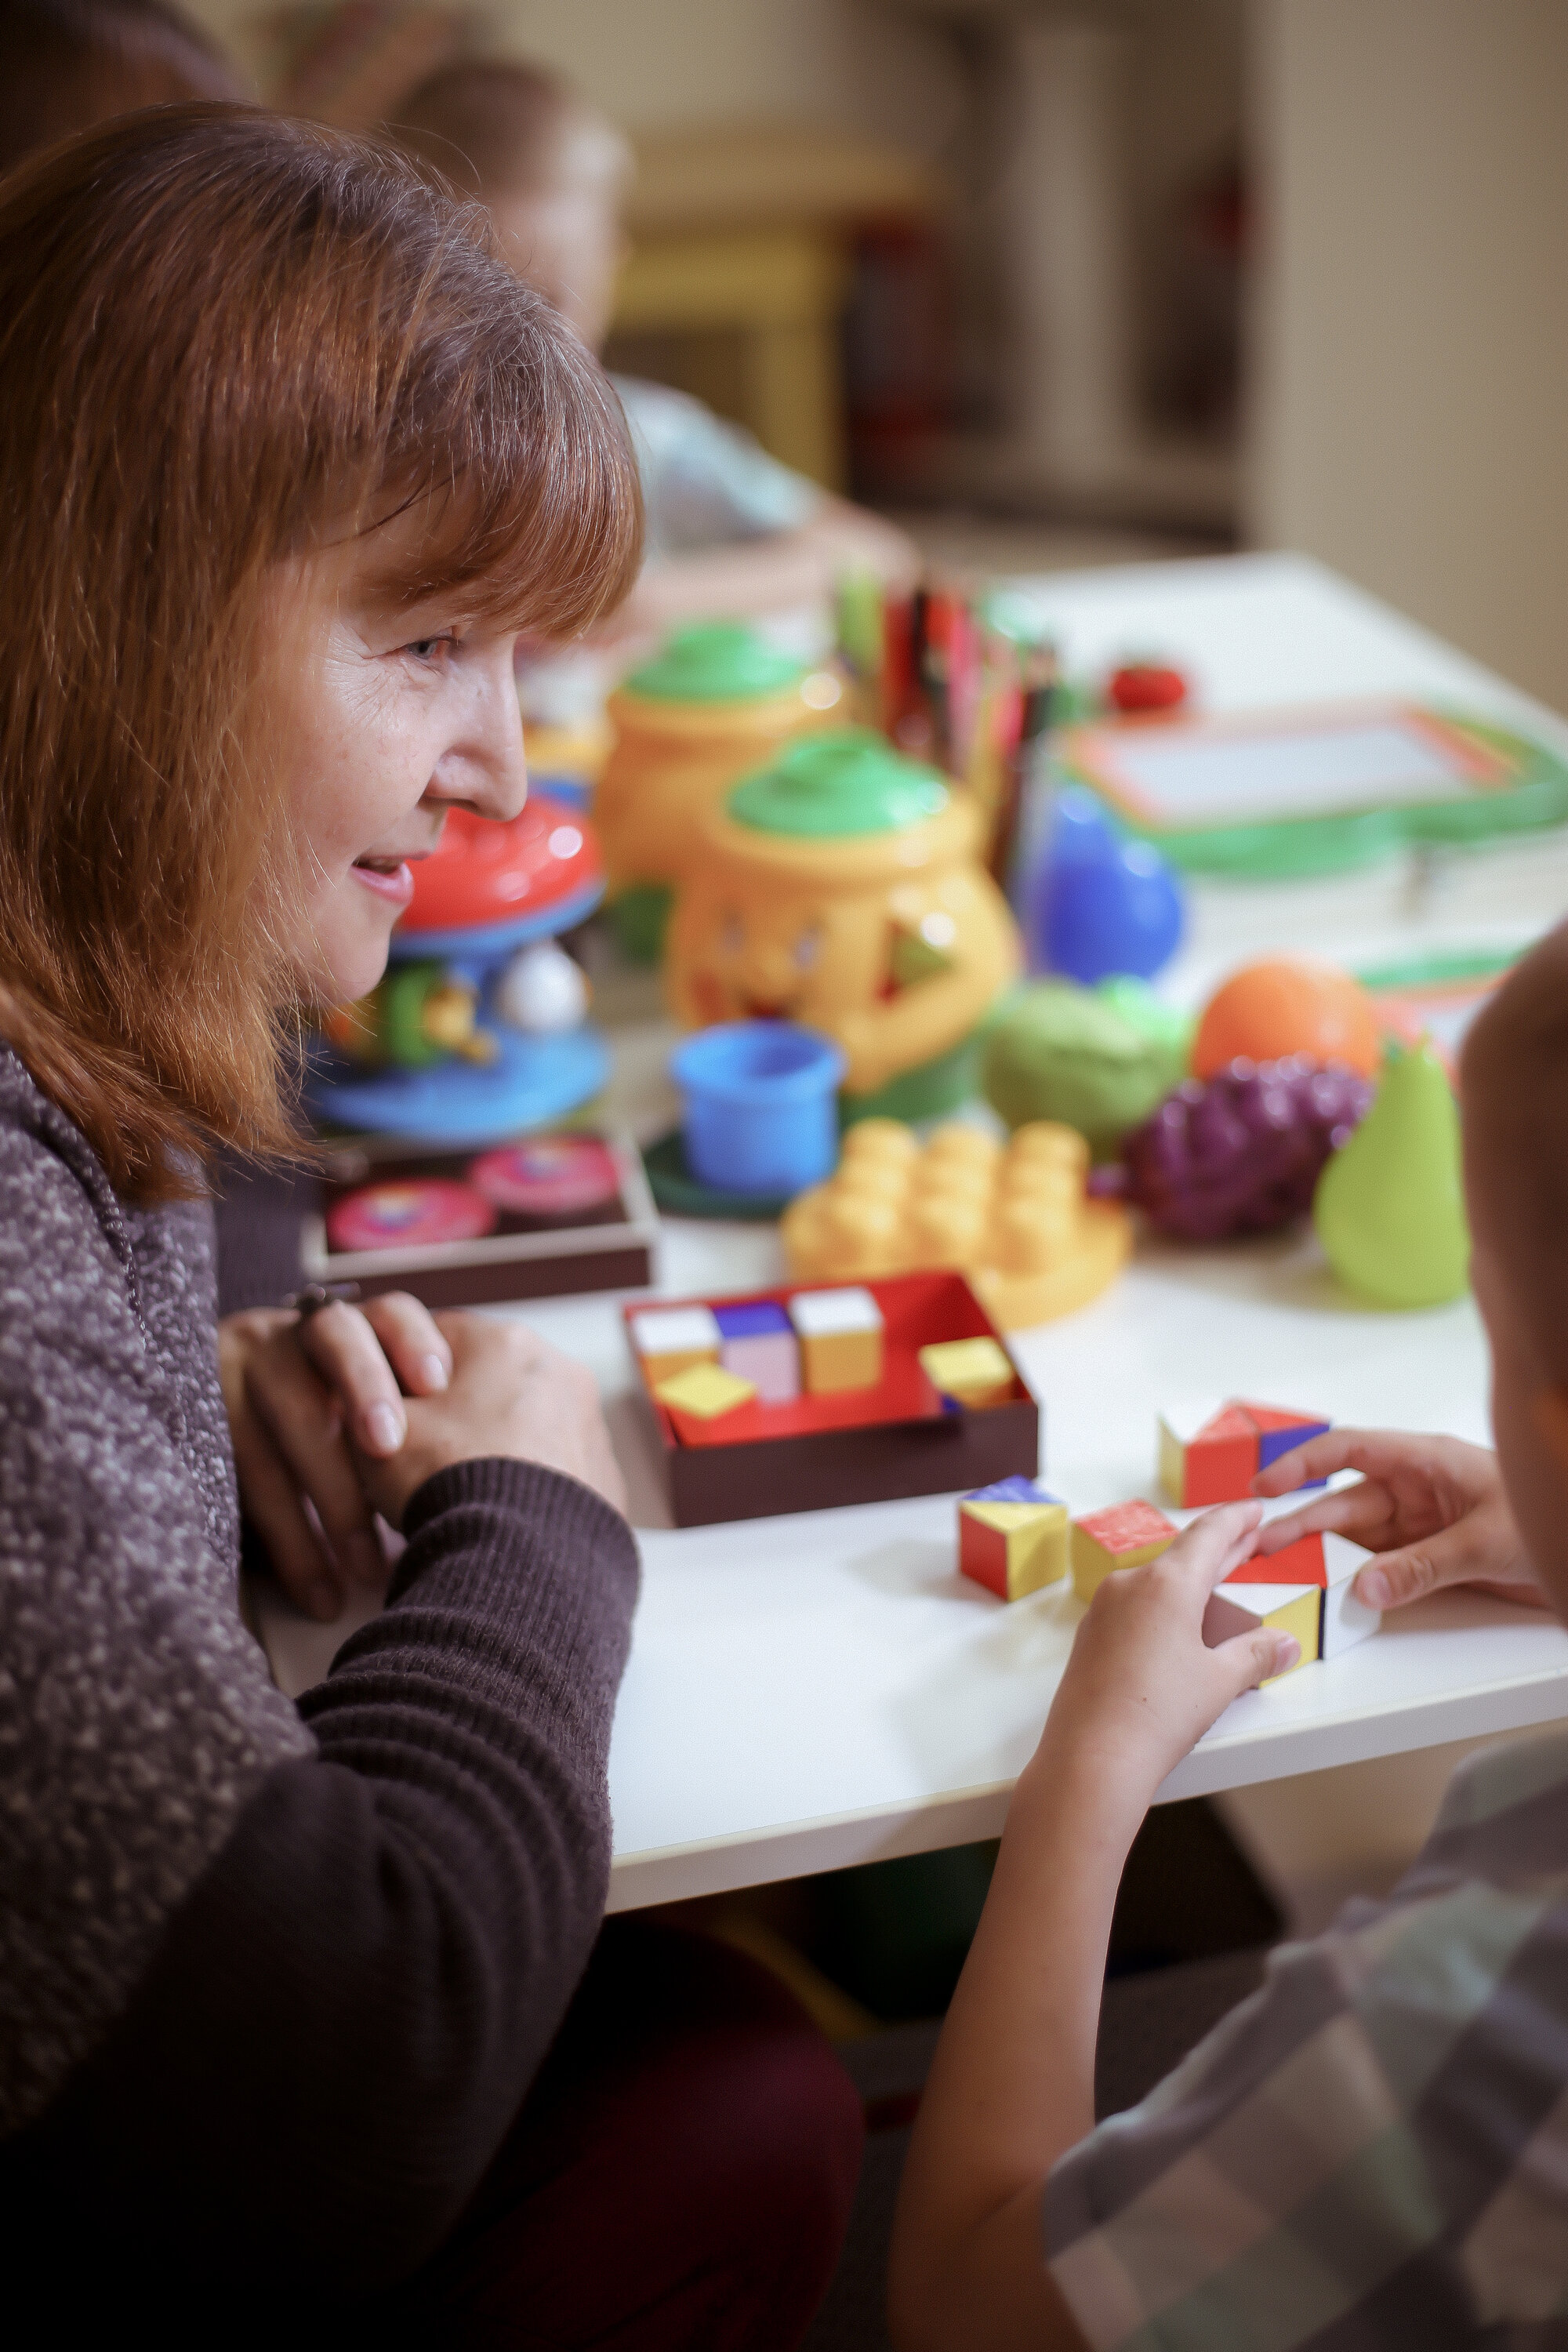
{"x":348,"y":2008}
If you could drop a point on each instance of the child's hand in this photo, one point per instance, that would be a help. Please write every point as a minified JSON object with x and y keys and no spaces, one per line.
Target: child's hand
{"x":1140,"y":1687}
{"x":1433,"y":1507}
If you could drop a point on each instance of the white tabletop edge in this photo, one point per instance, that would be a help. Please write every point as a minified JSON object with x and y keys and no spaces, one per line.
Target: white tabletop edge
{"x":724,"y":1865}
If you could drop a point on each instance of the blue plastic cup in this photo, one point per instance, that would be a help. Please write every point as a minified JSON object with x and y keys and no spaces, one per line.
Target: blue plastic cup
{"x":761,"y":1113}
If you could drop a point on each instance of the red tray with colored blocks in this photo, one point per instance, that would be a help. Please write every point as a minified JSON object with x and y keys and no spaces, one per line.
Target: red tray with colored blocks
{"x":851,"y":1445}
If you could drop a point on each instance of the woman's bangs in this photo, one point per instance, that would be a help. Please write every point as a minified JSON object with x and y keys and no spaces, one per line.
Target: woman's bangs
{"x":538,"y":525}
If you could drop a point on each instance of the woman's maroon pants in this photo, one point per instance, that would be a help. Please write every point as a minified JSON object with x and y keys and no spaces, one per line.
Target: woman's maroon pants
{"x":681,"y":2175}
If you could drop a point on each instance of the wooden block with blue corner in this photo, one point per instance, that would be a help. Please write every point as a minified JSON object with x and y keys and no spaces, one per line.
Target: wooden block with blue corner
{"x":1208,"y":1455}
{"x":1128,"y":1535}
{"x":1011,"y":1538}
{"x":1295,"y":1609}
{"x":1211,"y":1453}
{"x":1281,"y":1431}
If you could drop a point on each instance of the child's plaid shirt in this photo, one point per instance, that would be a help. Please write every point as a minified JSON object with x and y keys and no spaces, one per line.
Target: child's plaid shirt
{"x":1372,"y":2151}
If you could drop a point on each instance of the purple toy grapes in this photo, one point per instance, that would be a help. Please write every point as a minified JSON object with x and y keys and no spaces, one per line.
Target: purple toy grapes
{"x":1242,"y":1151}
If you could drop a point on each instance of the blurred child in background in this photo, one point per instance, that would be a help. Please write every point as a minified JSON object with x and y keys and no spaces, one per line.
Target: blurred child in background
{"x":66,"y":65}
{"x":731,"y":531}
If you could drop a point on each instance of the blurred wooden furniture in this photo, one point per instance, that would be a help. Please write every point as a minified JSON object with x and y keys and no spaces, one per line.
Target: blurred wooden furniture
{"x":739,"y":272}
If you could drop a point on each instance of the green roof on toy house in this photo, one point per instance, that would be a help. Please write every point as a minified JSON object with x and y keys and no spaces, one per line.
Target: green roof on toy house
{"x":717,"y":661}
{"x":841,"y":786}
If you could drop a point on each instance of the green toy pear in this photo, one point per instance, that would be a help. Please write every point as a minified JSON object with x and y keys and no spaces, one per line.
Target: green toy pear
{"x":1390,"y":1205}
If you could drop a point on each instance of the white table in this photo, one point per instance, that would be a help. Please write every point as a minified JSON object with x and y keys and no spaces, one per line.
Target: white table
{"x":808,"y":1692}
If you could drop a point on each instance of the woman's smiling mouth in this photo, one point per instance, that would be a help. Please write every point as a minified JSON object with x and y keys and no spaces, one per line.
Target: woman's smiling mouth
{"x":391,"y":878}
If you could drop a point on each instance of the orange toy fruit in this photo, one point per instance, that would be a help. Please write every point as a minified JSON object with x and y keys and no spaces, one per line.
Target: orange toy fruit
{"x":1267,"y":1012}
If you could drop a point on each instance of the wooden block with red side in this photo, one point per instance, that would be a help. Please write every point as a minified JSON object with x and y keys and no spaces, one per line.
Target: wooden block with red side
{"x":1329,"y":1563}
{"x":1300,"y":1563}
{"x":1207,"y":1457}
{"x":1128,"y":1535}
{"x":1011,"y":1538}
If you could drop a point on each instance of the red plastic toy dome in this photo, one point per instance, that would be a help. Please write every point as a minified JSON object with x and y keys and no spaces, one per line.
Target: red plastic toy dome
{"x":488,"y":873}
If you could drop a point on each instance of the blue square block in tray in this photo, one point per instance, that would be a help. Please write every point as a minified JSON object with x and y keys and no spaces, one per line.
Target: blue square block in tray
{"x":756,"y":1340}
{"x":756,"y":1320}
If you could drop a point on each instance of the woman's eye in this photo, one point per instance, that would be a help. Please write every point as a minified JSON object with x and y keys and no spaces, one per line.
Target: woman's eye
{"x":426,"y":649}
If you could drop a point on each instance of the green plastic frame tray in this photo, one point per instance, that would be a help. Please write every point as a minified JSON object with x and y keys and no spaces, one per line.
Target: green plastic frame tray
{"x":1520,"y":786}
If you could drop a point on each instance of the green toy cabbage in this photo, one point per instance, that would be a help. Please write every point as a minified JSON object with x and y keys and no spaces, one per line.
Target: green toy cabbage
{"x":1058,"y":1051}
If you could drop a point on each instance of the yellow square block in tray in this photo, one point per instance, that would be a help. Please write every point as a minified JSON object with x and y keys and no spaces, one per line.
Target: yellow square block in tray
{"x":973,"y":1372}
{"x":840,"y":1335}
{"x":705,"y":1391}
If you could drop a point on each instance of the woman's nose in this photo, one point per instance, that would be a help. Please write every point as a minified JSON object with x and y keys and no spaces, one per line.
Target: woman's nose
{"x":500,"y":763}
{"x":484,"y":766}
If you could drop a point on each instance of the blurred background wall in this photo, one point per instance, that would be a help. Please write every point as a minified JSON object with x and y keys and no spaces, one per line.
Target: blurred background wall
{"x":1284,"y":272}
{"x":1409,"y":401}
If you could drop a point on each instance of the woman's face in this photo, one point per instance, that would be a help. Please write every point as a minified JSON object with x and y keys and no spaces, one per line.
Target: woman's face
{"x":382,"y":717}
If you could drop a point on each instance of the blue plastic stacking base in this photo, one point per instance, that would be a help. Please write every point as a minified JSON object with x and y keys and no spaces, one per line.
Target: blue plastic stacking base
{"x":486,"y":942}
{"x":464,"y":1105}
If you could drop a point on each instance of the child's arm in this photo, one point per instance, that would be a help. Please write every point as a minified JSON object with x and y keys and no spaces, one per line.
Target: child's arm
{"x":1432,"y":1507}
{"x":1011,"y":2087}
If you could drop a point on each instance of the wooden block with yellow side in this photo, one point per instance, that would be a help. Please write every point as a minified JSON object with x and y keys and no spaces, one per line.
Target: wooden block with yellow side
{"x":1011,"y":1538}
{"x":1128,"y":1535}
{"x":705,"y":1391}
{"x":1284,"y":1608}
{"x":973,"y":1372}
{"x":840,"y":1335}
{"x":671,"y":1339}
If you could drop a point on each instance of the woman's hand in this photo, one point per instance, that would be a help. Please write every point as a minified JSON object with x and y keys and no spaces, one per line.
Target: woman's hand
{"x":310,"y":1400}
{"x":1140,"y":1686}
{"x":1433,"y":1508}
{"x":509,"y":1393}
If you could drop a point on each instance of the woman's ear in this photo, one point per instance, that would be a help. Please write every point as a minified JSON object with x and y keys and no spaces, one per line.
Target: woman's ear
{"x":1550,"y":1408}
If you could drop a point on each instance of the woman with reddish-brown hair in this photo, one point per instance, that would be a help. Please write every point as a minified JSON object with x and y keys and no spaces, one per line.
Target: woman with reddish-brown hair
{"x":288,"y":460}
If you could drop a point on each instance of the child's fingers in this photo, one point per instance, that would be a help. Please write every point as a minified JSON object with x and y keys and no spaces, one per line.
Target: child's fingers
{"x":1356,"y":1511}
{"x":1469,"y":1552}
{"x":1375,"y":1452}
{"x":1214,"y":1545}
{"x":1319,"y":1458}
{"x":1248,"y":1659}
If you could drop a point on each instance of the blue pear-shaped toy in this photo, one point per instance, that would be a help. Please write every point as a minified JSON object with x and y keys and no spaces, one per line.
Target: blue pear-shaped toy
{"x":1101,"y":904}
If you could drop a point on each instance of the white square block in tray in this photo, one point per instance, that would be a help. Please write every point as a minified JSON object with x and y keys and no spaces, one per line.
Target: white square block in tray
{"x":672,"y":1331}
{"x":825,"y":1314}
